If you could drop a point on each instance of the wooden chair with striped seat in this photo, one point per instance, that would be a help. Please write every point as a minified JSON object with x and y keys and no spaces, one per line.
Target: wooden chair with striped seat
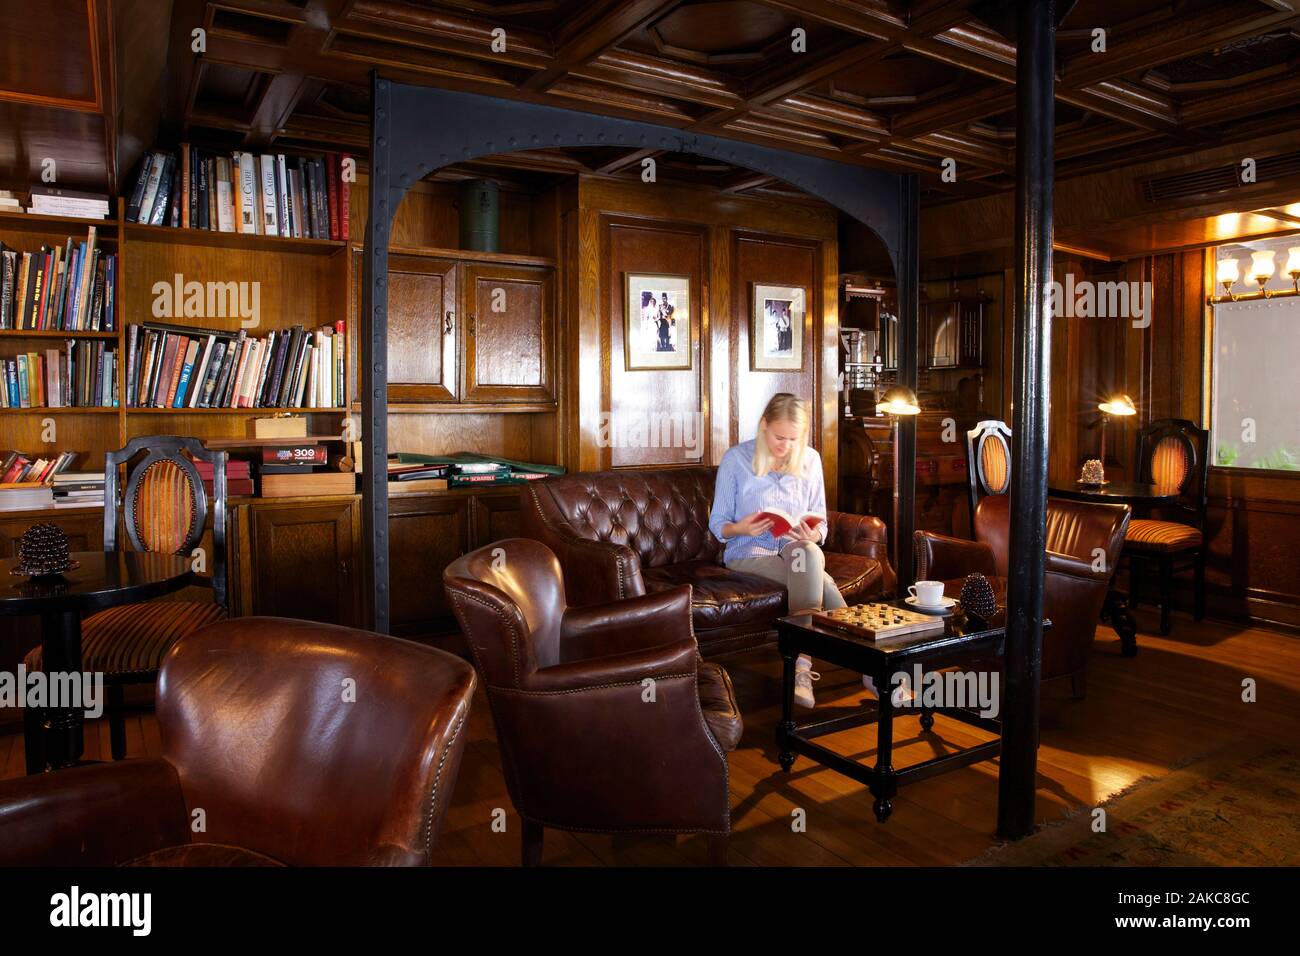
{"x":988,"y":461}
{"x":164,"y":509}
{"x":1173,"y":455}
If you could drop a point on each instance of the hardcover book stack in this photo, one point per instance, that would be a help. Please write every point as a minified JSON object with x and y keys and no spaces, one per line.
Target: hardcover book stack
{"x":57,"y":201}
{"x":299,"y":197}
{"x":83,"y":374}
{"x":417,"y":477}
{"x":175,"y":366}
{"x":72,"y":288}
{"x":79,"y":489}
{"x":26,"y":480}
{"x":301,"y":469}
{"x":239,"y":479}
{"x":469,"y":470}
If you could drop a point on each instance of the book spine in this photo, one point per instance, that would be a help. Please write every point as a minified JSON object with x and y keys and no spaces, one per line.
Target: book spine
{"x":187,"y":370}
{"x":224,"y":195}
{"x":110,"y":293}
{"x":322,"y":203}
{"x":270,"y":202}
{"x":201,"y":180}
{"x":302,"y":376}
{"x":250,"y":194}
{"x":173,"y":376}
{"x":200,"y":371}
{"x":137,"y":193}
{"x":341,"y":341}
{"x":331,"y":186}
{"x":282,"y":196}
{"x":214,"y":371}
{"x":186,"y":183}
{"x":345,"y":197}
{"x":151,"y":188}
{"x":158,"y":212}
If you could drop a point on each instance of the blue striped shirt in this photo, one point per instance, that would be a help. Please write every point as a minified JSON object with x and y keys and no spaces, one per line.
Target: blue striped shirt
{"x":739,"y":493}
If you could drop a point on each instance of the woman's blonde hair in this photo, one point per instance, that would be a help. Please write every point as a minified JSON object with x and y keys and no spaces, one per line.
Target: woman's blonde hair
{"x":782,"y":407}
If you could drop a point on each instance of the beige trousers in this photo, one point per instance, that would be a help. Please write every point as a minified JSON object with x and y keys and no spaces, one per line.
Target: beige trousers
{"x":801,"y":568}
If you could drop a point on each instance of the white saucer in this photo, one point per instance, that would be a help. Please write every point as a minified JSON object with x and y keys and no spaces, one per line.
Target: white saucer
{"x":947,"y":603}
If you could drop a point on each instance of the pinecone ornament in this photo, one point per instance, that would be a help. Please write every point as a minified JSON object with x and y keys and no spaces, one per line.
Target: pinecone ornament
{"x":43,"y":550}
{"x":977,"y":597}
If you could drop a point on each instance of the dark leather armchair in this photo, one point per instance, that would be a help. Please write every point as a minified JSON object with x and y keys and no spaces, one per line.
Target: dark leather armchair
{"x":607,"y":718}
{"x":1073,"y":591}
{"x":268,"y":746}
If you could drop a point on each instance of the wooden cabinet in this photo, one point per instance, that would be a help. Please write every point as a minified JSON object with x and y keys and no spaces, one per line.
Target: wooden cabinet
{"x":84,"y":528}
{"x":297,"y":558}
{"x":426,"y":533}
{"x":508,"y":333}
{"x":469,"y":332}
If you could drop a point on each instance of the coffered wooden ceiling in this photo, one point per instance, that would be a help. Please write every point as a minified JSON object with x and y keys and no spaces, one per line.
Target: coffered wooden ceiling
{"x":896,"y":84}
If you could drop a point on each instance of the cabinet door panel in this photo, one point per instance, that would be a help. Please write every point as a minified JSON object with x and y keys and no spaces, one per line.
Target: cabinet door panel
{"x":425,"y":534}
{"x":509,"y":333}
{"x":422,"y":328}
{"x":495,"y":517}
{"x":303,"y":561}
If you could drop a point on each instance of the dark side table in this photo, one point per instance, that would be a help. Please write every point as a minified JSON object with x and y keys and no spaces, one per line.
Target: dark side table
{"x":103,"y":579}
{"x":960,"y":643}
{"x":1117,"y":610}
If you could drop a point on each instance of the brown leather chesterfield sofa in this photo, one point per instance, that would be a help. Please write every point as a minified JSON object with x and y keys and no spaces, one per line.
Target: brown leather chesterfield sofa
{"x":620,"y":534}
{"x":257,"y":733}
{"x":582,"y":746}
{"x":1073,"y":593}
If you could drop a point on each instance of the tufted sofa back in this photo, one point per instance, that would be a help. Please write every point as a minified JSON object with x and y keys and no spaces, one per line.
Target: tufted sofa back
{"x":662,"y":515}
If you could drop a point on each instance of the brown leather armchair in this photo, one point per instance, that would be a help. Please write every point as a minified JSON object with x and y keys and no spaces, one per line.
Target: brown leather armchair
{"x":262,"y":733}
{"x":1073,"y":592}
{"x":588,"y":743}
{"x":620,"y":534}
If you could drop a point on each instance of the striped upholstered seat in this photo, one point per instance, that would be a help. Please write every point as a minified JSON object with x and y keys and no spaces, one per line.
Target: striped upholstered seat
{"x":1146,"y":534}
{"x":132,"y":639}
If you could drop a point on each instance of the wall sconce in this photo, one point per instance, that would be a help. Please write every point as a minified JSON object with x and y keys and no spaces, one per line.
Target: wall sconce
{"x":1262,"y":268}
{"x":1293,"y":267}
{"x":1227,"y":274}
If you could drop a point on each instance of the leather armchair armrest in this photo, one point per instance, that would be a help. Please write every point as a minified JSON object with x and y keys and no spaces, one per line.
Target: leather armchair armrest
{"x":618,"y":627}
{"x":631,"y":667}
{"x":863,"y":535}
{"x":941,"y":558}
{"x":99,"y":815}
{"x":1075,"y":567}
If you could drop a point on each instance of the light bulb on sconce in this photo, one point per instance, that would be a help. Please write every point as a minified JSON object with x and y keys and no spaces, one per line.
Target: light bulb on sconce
{"x":1118,"y":406}
{"x":1227,"y":274}
{"x":1262,"y":268}
{"x":1293,"y":267}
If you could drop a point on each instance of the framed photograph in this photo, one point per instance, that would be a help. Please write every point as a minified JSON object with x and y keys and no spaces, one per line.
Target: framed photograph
{"x":657,"y":321}
{"x":776,"y":327}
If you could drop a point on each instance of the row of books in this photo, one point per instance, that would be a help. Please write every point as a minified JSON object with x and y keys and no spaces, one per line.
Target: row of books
{"x":19,"y":468}
{"x":300,"y":197}
{"x":81,"y":375}
{"x":172,"y":366}
{"x":72,"y":288}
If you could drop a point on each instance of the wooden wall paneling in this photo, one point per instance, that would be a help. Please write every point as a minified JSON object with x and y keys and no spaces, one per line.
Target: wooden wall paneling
{"x":590,"y":378}
{"x":772,"y":260}
{"x":426,"y":533}
{"x":496,"y":516}
{"x":488,"y":433}
{"x":654,"y":397}
{"x":721,"y":415}
{"x":826,"y":339}
{"x":429,"y":217}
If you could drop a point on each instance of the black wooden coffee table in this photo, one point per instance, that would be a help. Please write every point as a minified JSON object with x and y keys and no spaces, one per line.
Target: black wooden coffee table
{"x":961,"y":643}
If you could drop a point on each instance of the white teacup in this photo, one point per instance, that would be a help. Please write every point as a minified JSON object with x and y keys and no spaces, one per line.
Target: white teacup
{"x":927,"y":593}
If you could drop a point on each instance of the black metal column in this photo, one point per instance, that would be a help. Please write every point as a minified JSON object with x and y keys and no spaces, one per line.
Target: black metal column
{"x":374,"y":370}
{"x":1035,"y":117}
{"x":909,"y":338}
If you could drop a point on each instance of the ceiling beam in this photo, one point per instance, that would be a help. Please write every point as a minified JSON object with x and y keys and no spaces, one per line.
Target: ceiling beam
{"x":599,"y":29}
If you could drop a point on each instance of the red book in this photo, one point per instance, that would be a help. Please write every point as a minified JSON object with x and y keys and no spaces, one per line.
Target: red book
{"x":288,"y":454}
{"x":345,"y":198}
{"x":234,"y":486}
{"x":168,"y":355}
{"x":783,"y":521}
{"x":332,"y":191}
{"x":235,"y":468}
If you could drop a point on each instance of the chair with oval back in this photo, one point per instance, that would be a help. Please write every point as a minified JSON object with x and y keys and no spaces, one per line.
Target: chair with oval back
{"x":988,"y":461}
{"x":164,"y":509}
{"x":1172,"y":454}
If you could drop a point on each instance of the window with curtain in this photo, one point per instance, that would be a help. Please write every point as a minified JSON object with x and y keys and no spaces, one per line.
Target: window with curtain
{"x":1255,"y":365}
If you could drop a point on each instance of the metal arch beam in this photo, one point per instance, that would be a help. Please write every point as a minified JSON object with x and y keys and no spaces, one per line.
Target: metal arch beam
{"x":417,"y":130}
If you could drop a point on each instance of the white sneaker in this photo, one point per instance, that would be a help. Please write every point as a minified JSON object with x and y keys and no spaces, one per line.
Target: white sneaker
{"x":804,"y":675}
{"x":901,"y":695}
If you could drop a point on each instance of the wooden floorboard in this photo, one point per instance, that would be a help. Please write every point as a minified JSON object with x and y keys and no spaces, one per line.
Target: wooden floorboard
{"x":1179,"y":699}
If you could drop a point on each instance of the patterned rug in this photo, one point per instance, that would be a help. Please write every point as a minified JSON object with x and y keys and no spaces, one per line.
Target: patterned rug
{"x":1223,"y":810}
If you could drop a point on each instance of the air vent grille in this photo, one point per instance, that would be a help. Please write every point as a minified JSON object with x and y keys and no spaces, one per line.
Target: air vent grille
{"x":1218,"y":179}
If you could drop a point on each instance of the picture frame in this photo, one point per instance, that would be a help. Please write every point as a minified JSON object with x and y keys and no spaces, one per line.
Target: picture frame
{"x":776,"y":327}
{"x":657,"y":327}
